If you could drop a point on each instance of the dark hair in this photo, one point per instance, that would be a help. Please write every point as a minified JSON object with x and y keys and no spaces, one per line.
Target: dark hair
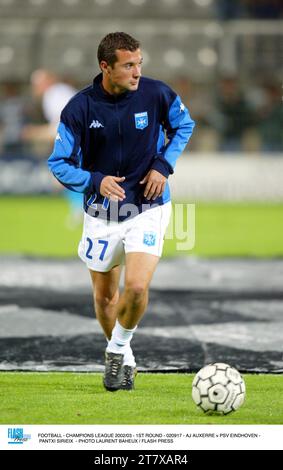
{"x":112,"y":42}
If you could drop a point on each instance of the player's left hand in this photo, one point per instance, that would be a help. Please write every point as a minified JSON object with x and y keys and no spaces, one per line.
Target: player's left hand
{"x":155,"y":184}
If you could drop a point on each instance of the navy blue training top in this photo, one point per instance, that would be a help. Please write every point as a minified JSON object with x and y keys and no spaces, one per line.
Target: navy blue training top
{"x":120,"y":135}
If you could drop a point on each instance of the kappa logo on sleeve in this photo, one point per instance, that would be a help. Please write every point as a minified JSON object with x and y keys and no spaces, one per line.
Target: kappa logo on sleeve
{"x":141,"y":120}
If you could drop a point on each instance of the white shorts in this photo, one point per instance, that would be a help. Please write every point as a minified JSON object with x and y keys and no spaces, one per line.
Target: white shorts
{"x":104,"y":244}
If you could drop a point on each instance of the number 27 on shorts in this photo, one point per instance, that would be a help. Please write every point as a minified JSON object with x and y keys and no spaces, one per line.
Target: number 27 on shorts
{"x":89,"y":249}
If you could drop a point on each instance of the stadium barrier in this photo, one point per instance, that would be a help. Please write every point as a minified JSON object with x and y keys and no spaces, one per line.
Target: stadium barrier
{"x":198,"y":177}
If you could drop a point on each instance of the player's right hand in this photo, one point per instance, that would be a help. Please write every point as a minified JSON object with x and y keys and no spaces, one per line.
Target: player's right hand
{"x":110,"y":188}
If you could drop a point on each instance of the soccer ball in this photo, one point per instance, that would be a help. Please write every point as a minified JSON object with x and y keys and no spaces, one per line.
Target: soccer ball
{"x":218,"y":387}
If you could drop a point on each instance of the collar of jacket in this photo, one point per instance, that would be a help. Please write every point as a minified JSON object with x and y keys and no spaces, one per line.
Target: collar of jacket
{"x":104,"y":95}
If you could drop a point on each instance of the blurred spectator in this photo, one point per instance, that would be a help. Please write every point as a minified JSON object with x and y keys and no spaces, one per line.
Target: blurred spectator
{"x":199,"y":100}
{"x":54,"y":95}
{"x":260,"y":9}
{"x":13,"y":117}
{"x":230,"y":9}
{"x":183,"y":86}
{"x":270,"y":118}
{"x":232,"y":115}
{"x":264,"y":9}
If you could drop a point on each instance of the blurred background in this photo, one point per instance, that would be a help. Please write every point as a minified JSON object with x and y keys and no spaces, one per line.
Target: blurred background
{"x":224,"y":57}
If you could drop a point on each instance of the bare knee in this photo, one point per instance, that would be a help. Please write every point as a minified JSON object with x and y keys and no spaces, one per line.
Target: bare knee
{"x":135,"y":290}
{"x":106,"y":299}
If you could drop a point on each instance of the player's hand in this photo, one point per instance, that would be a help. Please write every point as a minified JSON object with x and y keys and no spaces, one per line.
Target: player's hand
{"x":110,"y":188}
{"x":155,"y":184}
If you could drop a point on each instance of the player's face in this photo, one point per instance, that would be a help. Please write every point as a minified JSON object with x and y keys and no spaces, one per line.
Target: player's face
{"x":126,"y":72}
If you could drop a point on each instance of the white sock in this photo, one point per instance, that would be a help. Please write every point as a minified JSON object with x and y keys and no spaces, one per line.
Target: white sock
{"x":120,"y":339}
{"x":129,"y":358}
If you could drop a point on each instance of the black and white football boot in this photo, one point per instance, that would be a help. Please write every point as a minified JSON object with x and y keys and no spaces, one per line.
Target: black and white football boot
{"x":113,"y":375}
{"x":128,"y":382}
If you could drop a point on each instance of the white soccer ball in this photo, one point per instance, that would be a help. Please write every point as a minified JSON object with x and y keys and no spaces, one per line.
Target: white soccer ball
{"x":218,"y":387}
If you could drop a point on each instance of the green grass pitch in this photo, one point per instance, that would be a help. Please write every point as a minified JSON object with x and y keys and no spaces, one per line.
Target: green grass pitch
{"x":79,"y":398}
{"x":36,"y":226}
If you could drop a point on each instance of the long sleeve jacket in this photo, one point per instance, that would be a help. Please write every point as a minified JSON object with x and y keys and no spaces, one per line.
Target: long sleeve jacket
{"x":125,"y":135}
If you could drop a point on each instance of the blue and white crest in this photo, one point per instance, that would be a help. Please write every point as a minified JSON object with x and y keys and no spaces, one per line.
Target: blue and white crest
{"x":141,"y":120}
{"x":149,"y":238}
